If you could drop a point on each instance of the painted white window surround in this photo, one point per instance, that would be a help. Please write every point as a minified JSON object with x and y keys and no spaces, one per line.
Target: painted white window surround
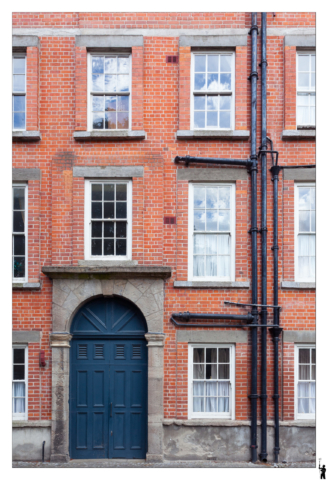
{"x":109,"y":91}
{"x":212,"y":91}
{"x":305,"y":377}
{"x":19,"y":236}
{"x":19,"y":93}
{"x":305,"y":89}
{"x":108,"y":220}
{"x":211,"y":381}
{"x":211,"y":236}
{"x":20,"y":382}
{"x":305,"y":236}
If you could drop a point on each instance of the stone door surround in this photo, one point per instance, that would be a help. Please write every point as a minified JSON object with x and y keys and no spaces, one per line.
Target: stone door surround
{"x":70,"y":292}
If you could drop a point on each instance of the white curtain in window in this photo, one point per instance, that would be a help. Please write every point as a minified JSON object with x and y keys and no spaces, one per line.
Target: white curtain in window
{"x":223,"y":400}
{"x":303,"y":400}
{"x":18,"y":403}
{"x":198,"y":389}
{"x":211,"y":400}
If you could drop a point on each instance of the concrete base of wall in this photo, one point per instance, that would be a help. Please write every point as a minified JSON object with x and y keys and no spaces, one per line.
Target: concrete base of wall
{"x":27,"y":443}
{"x":183,"y":442}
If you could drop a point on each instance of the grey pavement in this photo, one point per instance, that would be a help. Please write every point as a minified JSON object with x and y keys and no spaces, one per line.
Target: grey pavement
{"x":166,"y":464}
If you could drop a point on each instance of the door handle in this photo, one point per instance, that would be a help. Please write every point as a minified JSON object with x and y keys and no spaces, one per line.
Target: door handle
{"x":111,"y":409}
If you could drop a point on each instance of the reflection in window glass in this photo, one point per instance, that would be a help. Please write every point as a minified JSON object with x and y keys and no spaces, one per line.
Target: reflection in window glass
{"x":19,"y":233}
{"x":306,"y":89}
{"x":19,"y":93}
{"x":306,"y":233}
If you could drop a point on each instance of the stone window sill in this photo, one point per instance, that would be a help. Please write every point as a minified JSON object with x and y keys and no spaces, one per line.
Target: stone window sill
{"x":31,"y":423}
{"x":27,"y":286}
{"x":27,"y":135}
{"x":107,"y":272}
{"x":211,"y":284}
{"x":297,"y":134}
{"x":301,"y":285}
{"x":111,"y":135}
{"x":213,"y":134}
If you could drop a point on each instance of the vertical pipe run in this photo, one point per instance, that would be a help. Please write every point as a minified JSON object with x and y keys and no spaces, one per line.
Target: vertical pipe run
{"x":275,"y":330}
{"x":253,"y":395}
{"x":263,"y":454}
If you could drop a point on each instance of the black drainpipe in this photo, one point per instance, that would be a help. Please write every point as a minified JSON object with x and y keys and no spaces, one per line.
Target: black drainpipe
{"x":275,"y":330}
{"x":263,"y":455}
{"x":253,"y":396}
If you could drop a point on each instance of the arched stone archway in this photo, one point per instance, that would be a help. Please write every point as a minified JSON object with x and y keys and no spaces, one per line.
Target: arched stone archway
{"x":69,"y":294}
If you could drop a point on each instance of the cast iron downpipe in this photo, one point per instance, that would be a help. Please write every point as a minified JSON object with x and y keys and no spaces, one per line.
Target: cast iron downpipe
{"x":263,"y":455}
{"x":253,"y":396}
{"x":275,"y":330}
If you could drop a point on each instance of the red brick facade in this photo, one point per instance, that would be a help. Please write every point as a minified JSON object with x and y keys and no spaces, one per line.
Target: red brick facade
{"x":57,"y":107}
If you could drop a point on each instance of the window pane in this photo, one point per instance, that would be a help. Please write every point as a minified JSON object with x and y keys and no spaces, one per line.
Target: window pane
{"x":313,"y":355}
{"x":19,"y":244}
{"x":97,"y":83}
{"x":19,"y":355}
{"x":224,"y":220}
{"x":199,"y":119}
{"x":211,"y":404}
{"x":123,"y":103}
{"x":304,"y":80}
{"x":97,"y":121}
{"x":304,"y":221}
{"x":110,"y":65}
{"x":19,"y":372}
{"x":313,"y":372}
{"x":313,"y":63}
{"x":199,"y":244}
{"x":19,"y":83}
{"x":225,"y":103}
{"x":198,"y":404}
{"x":211,"y":266}
{"x":303,"y":390}
{"x":303,"y":267}
{"x":96,"y":191}
{"x":199,"y":220}
{"x":312,"y":389}
{"x":223,"y":404}
{"x":19,"y":267}
{"x":304,"y":355}
{"x":98,"y":103}
{"x":120,"y":246}
{"x":224,"y":197}
{"x":199,"y":81}
{"x":96,"y":229}
{"x":110,"y":104}
{"x":312,"y":116}
{"x":223,"y":389}
{"x":224,"y":119}
{"x":97,"y":64}
{"x":312,"y":267}
{"x":211,"y":221}
{"x":303,"y":405}
{"x":212,"y":102}
{"x":213,"y":63}
{"x":108,"y":209}
{"x":111,"y":83}
{"x":96,"y":247}
{"x":123,"y":83}
{"x":224,"y":244}
{"x":224,"y":371}
{"x":211,"y":244}
{"x":108,"y":247}
{"x":110,"y":120}
{"x":211,"y":197}
{"x":198,"y":371}
{"x":225,"y":65}
{"x":304,"y":372}
{"x":224,"y":355}
{"x":108,"y":229}
{"x":303,"y":115}
{"x":312,"y":221}
{"x":212,"y":119}
{"x":313,"y":80}
{"x":224,"y":266}
{"x":199,"y":266}
{"x":19,"y":221}
{"x":304,"y":63}
{"x":303,"y":245}
{"x":199,"y":197}
{"x":19,"y":65}
{"x":123,"y":64}
{"x":198,"y":388}
{"x":199,"y":102}
{"x":213,"y":81}
{"x":121,"y":210}
{"x":19,"y":103}
{"x":211,"y":371}
{"x":312,"y":405}
{"x":225,"y":81}
{"x":19,"y":198}
{"x":109,"y":191}
{"x":123,"y":120}
{"x":200,"y":63}
{"x":19,"y":120}
{"x":211,"y":355}
{"x":121,"y":229}
{"x":198,"y":355}
{"x":304,"y":196}
{"x":19,"y":405}
{"x":303,"y":99}
{"x":18,"y":389}
{"x":96,"y":210}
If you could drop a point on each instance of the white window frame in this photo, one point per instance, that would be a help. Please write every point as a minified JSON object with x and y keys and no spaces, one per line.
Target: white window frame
{"x":20,"y":416}
{"x":87,"y":221}
{"x":224,"y":92}
{"x":296,"y":226}
{"x":301,"y":416}
{"x":191,"y":233}
{"x":232,"y":397}
{"x":90,"y":93}
{"x":19,"y":94}
{"x":302,"y":90}
{"x":20,"y":279}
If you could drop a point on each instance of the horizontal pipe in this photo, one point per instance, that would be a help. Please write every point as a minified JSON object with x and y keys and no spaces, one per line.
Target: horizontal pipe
{"x":212,"y":316}
{"x":214,"y":161}
{"x":214,"y":325}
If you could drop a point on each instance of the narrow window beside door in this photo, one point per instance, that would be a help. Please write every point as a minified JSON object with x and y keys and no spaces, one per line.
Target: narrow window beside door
{"x":19,"y":382}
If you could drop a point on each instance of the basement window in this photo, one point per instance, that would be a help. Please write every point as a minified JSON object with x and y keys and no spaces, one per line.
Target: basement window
{"x":211,"y":381}
{"x":19,"y":383}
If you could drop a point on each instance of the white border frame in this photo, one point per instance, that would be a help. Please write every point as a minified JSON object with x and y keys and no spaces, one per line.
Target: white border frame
{"x":87,"y":220}
{"x":191,"y":236}
{"x":233,"y":88}
{"x":89,"y":83}
{"x":232,"y":403}
{"x":305,"y":52}
{"x":20,"y":279}
{"x":301,"y":416}
{"x":25,"y":415}
{"x":296,"y":186}
{"x":19,"y":94}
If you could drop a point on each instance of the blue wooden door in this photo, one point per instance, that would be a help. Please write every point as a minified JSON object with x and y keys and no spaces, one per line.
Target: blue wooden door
{"x":108,"y":382}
